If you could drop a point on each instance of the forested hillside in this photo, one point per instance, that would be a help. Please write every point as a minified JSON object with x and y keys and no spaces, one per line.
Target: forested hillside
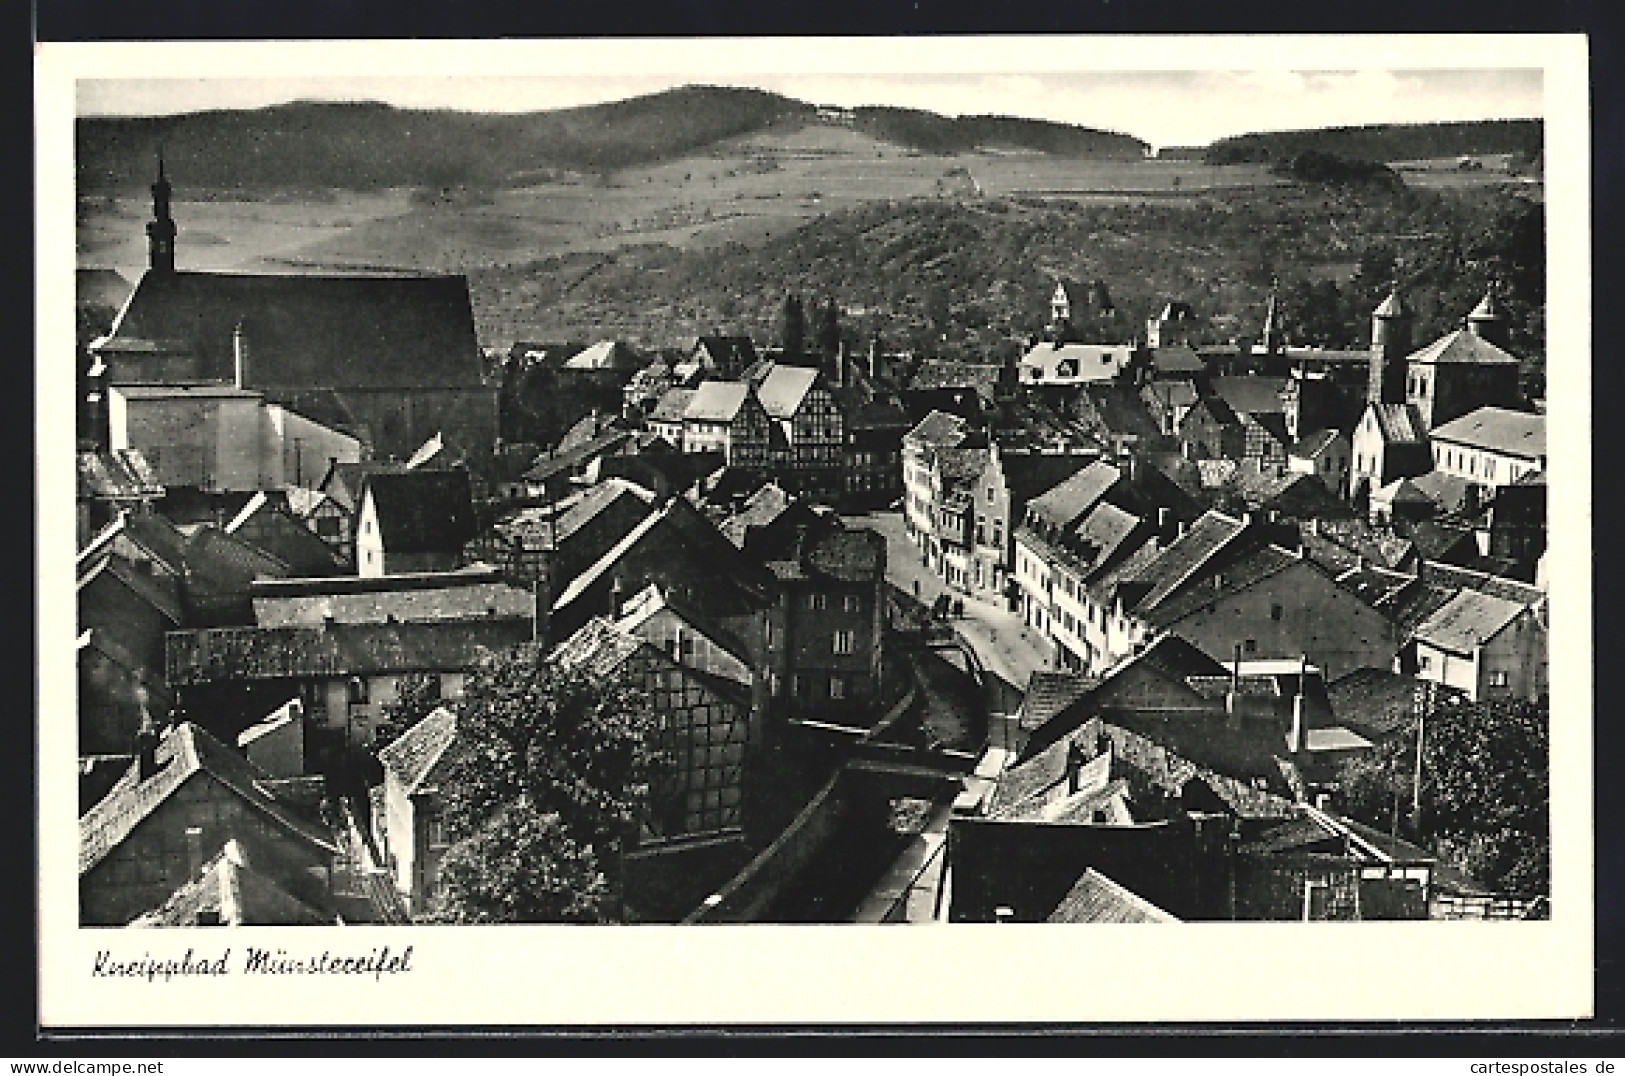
{"x":973,"y":277}
{"x":931,"y":133}
{"x":1384,"y":142}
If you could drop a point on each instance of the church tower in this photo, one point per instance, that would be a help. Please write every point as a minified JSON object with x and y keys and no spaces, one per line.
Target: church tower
{"x":161,"y":229}
{"x":1390,"y":344}
{"x":1488,"y":321}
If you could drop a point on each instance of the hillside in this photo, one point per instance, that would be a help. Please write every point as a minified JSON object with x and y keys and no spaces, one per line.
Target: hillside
{"x":369,"y":146}
{"x":311,"y":146}
{"x":931,"y":133}
{"x":1383,"y":142}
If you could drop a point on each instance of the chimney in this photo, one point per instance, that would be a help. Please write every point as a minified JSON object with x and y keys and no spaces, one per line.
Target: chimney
{"x":1162,"y":521}
{"x":239,"y":354}
{"x":1232,"y":700}
{"x":194,"y":851}
{"x":615,"y":597}
{"x":1296,"y":744}
{"x":146,"y":738}
{"x":1074,"y":767}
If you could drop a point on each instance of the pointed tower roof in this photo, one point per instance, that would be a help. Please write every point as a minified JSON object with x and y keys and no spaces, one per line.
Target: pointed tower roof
{"x":1489,"y":308}
{"x":1392,"y":307}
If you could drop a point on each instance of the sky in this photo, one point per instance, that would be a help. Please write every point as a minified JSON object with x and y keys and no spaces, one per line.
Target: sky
{"x":1164,"y":108}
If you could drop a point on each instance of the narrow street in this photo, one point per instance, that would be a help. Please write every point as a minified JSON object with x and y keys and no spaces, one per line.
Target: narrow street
{"x":1006,"y":647}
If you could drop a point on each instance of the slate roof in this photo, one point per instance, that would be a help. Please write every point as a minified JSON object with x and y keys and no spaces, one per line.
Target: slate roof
{"x":1251,"y":394}
{"x":423,"y":511}
{"x":1176,"y":359}
{"x":1375,"y":585}
{"x":1331,"y":833}
{"x":1312,"y":445}
{"x":448,"y":600}
{"x":717,"y":401}
{"x":1467,"y":620}
{"x":155,"y":592}
{"x":1097,"y":899}
{"x":1400,"y":424}
{"x":672,"y":405}
{"x":308,"y":331}
{"x":984,"y":378}
{"x":1447,"y":491}
{"x":1337,"y":545}
{"x":1117,"y":410}
{"x":1462,"y":346}
{"x":124,"y":474}
{"x":1374,"y":702}
{"x":1400,"y":491}
{"x":569,"y":460}
{"x":588,"y":429}
{"x":1293,"y":493}
{"x":1029,"y":474}
{"x":1174,"y":393}
{"x":418,"y":757}
{"x":182,"y":752}
{"x":100,"y":287}
{"x":784,"y":388}
{"x":230,"y":892}
{"x":224,"y":654}
{"x":1496,"y":429}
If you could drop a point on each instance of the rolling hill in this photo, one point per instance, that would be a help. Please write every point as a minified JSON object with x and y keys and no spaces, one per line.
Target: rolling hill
{"x":308,"y":146}
{"x":1382,"y":142}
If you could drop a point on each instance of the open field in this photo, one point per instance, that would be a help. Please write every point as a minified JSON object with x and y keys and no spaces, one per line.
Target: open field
{"x":743,"y":191}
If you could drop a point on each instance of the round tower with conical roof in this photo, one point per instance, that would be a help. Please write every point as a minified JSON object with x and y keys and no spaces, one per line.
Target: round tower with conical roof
{"x":1390,"y":343}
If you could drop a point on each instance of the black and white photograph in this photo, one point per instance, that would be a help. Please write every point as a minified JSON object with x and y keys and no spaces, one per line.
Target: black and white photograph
{"x":1056,"y":486}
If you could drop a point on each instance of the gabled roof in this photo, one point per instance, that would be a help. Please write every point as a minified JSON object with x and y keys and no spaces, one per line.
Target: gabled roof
{"x":735,"y":351}
{"x":1496,"y":429}
{"x":1048,"y":693}
{"x":1251,"y":394}
{"x":1399,"y":424}
{"x":422,"y":511}
{"x":308,"y":331}
{"x":850,"y":554}
{"x":783,"y":389}
{"x":653,"y":599}
{"x":597,"y":649}
{"x":1174,"y":393}
{"x":577,"y":456}
{"x":1188,"y":554}
{"x":1236,"y":576}
{"x":418,"y":756}
{"x":153,"y":591}
{"x":1063,"y":504}
{"x":1176,"y":359}
{"x":1098,"y":899}
{"x":1311,"y":445}
{"x":1391,"y":307}
{"x":1399,"y":491}
{"x":182,"y":752}
{"x":1446,"y":490}
{"x":760,"y":508}
{"x":717,"y":401}
{"x":230,"y":892}
{"x":604,"y":355}
{"x":1512,"y":590}
{"x":344,"y":480}
{"x":123,"y":474}
{"x":1028,"y":474}
{"x":1462,"y":347}
{"x":1466,"y":621}
{"x":672,"y":405}
{"x":1077,"y":362}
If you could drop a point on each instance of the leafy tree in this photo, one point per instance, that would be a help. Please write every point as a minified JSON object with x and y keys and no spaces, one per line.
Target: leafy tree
{"x":520,"y":866}
{"x":416,"y":696}
{"x":1484,"y":792}
{"x":793,"y":326}
{"x":553,"y":770}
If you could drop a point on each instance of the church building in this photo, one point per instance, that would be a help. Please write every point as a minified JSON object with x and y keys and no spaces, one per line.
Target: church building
{"x":390,"y":359}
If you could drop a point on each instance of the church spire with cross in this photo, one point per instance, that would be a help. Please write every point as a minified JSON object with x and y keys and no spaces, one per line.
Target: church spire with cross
{"x":161,"y":229}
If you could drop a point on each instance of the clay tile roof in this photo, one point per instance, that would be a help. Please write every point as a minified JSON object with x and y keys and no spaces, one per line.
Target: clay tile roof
{"x":1066,"y":502}
{"x":1048,"y":693}
{"x":1097,"y":899}
{"x":1177,"y":359}
{"x":183,"y":752}
{"x":939,"y":429}
{"x":1512,"y":433}
{"x":421,"y":511}
{"x":849,"y":554}
{"x":1186,"y":556}
{"x":599,"y":648}
{"x":1252,"y":394}
{"x":416,"y":756}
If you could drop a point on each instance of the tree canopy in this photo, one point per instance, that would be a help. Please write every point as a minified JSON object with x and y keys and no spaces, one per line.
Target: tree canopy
{"x":552,"y":771}
{"x":1484,"y":792}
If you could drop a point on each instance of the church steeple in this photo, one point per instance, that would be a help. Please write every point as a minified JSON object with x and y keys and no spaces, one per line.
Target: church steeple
{"x":161,"y":229}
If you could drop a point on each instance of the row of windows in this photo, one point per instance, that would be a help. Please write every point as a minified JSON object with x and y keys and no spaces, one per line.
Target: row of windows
{"x":801,"y":685}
